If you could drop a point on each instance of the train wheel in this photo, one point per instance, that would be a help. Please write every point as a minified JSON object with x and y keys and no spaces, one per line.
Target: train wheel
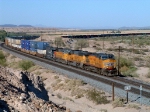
{"x":99,"y":71}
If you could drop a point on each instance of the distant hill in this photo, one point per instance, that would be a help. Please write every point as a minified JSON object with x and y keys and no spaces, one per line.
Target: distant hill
{"x":12,"y":25}
{"x":135,"y":28}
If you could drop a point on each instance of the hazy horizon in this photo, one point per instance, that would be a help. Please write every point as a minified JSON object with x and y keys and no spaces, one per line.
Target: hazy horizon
{"x":86,"y":14}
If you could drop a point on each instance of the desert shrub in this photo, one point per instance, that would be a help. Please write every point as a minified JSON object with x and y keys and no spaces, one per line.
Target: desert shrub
{"x":2,"y":59}
{"x":145,"y":50}
{"x":56,"y":77}
{"x":136,"y":51}
{"x":98,"y":48}
{"x":103,"y":110}
{"x":130,"y":72}
{"x":77,"y":83}
{"x":59,"y":42}
{"x":77,"y":92}
{"x":7,"y":54}
{"x":97,"y":97}
{"x":2,"y":55}
{"x":148,"y":75}
{"x":12,"y":57}
{"x":58,"y":80}
{"x":59,"y":96}
{"x":148,"y":62}
{"x":118,"y":103}
{"x":82,"y":43}
{"x":138,"y":59}
{"x":67,"y":98}
{"x":126,"y":62}
{"x":110,"y":49}
{"x":44,"y":78}
{"x":38,"y":73}
{"x":25,"y":64}
{"x":33,"y":68}
{"x":67,"y":80}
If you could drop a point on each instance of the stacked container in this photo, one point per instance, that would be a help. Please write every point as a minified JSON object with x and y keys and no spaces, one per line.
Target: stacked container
{"x":41,"y":48}
{"x":6,"y":41}
{"x":27,"y":46}
{"x":42,"y":45}
{"x":33,"y":47}
{"x":23,"y":44}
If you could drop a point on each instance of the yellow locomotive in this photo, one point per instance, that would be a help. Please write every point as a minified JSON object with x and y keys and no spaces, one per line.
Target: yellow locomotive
{"x":101,"y":63}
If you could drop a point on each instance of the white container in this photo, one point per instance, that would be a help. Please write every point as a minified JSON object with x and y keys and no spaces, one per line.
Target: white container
{"x":18,"y":46}
{"x":13,"y":41}
{"x":9,"y":43}
{"x":41,"y":51}
{"x":17,"y":41}
{"x":14,"y":45}
{"x":9,"y":40}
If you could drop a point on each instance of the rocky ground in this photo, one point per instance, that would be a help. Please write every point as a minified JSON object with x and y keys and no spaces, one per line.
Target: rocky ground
{"x":24,"y":93}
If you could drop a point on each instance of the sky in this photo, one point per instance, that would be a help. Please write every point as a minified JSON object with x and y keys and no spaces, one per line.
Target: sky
{"x":76,"y":13}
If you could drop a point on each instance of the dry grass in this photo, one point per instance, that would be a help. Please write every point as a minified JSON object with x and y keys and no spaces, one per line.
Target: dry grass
{"x":148,"y":75}
{"x":118,"y":103}
{"x":38,"y":72}
{"x":34,"y":68}
{"x":134,"y":106}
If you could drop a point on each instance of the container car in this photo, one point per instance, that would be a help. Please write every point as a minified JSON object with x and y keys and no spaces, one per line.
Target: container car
{"x":101,"y":63}
{"x":42,"y":45}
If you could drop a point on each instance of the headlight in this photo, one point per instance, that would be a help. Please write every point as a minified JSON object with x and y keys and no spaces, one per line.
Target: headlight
{"x":109,"y":64}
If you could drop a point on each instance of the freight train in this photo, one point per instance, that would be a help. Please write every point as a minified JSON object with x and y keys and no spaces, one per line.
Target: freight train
{"x":101,"y":63}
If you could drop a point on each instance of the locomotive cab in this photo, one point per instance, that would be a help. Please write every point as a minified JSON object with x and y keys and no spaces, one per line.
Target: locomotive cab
{"x":108,"y":64}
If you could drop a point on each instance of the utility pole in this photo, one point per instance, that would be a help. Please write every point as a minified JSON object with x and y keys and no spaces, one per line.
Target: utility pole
{"x":119,"y":61}
{"x":133,"y":44}
{"x":113,"y":92}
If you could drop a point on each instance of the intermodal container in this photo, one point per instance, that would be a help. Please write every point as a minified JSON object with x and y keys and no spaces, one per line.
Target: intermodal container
{"x":41,"y":51}
{"x":33,"y":49}
{"x":13,"y":41}
{"x":42,"y":45}
{"x":27,"y":44}
{"x":33,"y":44}
{"x":6,"y":41}
{"x":14,"y":45}
{"x":23,"y":44}
{"x":17,"y":41}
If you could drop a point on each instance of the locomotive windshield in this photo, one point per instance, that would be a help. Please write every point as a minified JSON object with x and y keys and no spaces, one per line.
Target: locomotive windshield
{"x":104,"y":57}
{"x":111,"y":56}
{"x":107,"y":56}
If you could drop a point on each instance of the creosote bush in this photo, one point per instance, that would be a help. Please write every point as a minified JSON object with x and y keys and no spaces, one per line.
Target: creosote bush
{"x":2,"y":59}
{"x":118,"y":103}
{"x":25,"y":64}
{"x":148,"y":75}
{"x":97,"y":97}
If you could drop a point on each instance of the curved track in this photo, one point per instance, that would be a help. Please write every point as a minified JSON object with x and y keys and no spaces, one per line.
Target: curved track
{"x":119,"y":82}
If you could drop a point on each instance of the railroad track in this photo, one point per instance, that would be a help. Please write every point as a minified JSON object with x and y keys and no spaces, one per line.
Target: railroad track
{"x":119,"y":82}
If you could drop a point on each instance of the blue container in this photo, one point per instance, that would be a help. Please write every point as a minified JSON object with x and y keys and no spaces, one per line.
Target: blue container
{"x":27,"y":44}
{"x":33,"y":44}
{"x":42,"y":45}
{"x":23,"y":44}
{"x":33,"y":49}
